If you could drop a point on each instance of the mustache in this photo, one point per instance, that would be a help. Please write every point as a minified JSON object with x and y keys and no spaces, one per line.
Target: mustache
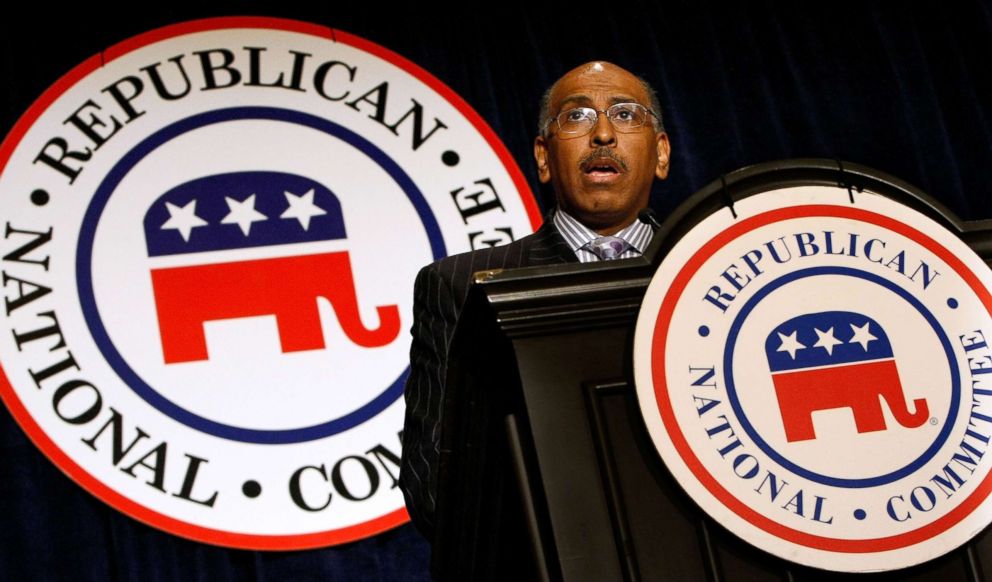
{"x":600,"y":153}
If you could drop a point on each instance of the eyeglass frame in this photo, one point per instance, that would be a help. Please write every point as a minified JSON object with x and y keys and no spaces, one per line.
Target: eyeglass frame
{"x":595,"y":120}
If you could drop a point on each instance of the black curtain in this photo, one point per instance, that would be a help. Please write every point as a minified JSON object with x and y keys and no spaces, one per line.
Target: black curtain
{"x":900,"y":87}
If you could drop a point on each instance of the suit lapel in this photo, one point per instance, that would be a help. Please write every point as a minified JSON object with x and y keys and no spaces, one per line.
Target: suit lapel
{"x":547,"y":247}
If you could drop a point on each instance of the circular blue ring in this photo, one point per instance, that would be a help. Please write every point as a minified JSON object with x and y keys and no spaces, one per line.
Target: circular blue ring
{"x":91,"y":312}
{"x":781,"y":460}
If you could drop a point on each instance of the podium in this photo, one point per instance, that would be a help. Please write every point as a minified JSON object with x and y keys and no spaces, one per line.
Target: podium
{"x":547,"y":471}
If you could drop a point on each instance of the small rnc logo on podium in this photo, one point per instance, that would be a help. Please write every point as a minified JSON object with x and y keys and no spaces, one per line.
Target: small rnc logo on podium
{"x":810,"y":370}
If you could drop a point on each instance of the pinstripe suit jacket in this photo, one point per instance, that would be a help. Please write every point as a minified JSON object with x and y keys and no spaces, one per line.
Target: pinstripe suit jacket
{"x":439,"y":293}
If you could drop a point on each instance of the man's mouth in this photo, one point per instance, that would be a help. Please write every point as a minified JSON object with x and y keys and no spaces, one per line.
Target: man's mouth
{"x":603,"y":165}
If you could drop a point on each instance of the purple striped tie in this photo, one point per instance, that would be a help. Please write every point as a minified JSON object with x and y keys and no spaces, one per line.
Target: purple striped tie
{"x":607,"y":248}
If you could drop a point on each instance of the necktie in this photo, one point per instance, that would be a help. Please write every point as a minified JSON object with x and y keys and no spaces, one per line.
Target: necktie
{"x":608,"y":248}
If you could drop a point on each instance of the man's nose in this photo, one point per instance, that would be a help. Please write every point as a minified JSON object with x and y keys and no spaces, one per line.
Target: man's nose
{"x":603,"y":132}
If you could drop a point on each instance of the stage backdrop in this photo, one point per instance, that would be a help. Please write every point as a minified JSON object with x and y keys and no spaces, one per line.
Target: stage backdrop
{"x":904,"y":90}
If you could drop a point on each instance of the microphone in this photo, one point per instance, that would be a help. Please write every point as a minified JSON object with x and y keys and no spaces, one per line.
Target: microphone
{"x":648,"y":217}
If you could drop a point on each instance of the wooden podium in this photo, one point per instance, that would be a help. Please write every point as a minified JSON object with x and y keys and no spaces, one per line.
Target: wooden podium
{"x":547,"y":471}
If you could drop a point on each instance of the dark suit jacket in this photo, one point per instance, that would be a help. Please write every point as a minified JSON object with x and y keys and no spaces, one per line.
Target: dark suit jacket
{"x":439,"y":293}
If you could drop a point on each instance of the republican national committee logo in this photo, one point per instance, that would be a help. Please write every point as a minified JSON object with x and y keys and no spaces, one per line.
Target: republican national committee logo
{"x":817,"y":375}
{"x":210,"y":237}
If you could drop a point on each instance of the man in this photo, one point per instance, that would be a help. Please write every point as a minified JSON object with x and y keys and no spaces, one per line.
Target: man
{"x":601,"y":143}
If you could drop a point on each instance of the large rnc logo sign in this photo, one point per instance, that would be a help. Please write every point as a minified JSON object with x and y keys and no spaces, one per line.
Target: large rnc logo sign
{"x":210,"y":236}
{"x":817,"y":374}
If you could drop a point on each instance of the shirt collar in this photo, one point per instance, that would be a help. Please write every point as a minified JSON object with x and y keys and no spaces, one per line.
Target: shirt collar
{"x":577,"y":235}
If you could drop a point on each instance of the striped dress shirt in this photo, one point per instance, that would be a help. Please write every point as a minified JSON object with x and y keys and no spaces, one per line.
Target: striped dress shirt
{"x":577,"y":236}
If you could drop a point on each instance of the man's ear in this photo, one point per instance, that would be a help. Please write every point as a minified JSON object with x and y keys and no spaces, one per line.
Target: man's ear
{"x":541,"y":157}
{"x":664,"y":149}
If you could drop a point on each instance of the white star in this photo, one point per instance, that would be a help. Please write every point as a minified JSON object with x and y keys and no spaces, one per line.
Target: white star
{"x":183,"y":219}
{"x":826,"y":340}
{"x":302,"y":208}
{"x":242,"y":213}
{"x":790,"y":344}
{"x":862,"y":335}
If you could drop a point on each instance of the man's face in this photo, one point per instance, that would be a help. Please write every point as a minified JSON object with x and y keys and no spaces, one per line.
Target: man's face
{"x":603,"y":178}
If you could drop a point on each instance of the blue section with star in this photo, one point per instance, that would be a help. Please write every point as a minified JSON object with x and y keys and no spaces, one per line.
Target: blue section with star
{"x":239,"y":210}
{"x":825,"y":339}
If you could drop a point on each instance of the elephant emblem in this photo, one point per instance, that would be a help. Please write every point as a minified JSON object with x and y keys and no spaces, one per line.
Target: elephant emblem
{"x":215,"y":218}
{"x":837,"y":359}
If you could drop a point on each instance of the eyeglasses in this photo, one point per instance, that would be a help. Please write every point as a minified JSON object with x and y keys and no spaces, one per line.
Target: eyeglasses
{"x":625,"y":118}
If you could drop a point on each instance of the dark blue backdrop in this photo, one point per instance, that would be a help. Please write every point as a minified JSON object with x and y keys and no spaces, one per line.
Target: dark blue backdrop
{"x":904,"y":89}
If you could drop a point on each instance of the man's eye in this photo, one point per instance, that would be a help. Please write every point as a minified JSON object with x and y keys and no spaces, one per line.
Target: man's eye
{"x":624,"y":112}
{"x":575,"y":115}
